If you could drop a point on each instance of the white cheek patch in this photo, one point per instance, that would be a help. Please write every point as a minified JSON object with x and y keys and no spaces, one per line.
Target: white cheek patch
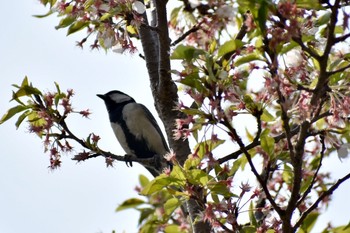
{"x":120,"y":98}
{"x":118,"y":132}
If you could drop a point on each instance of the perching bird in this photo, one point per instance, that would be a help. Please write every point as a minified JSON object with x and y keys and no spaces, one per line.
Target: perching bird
{"x":135,"y":127}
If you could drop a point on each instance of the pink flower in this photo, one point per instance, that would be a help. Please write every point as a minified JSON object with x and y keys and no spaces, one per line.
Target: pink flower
{"x":170,"y":156}
{"x":249,"y":22}
{"x":85,"y":113}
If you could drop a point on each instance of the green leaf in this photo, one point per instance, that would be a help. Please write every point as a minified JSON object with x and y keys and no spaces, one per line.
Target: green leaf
{"x":50,"y":12}
{"x":323,"y":19}
{"x":236,"y":165}
{"x":209,"y":63}
{"x":341,"y":229}
{"x":172,"y":228}
{"x":130,"y":204}
{"x":131,"y":29}
{"x":197,"y":177}
{"x":249,"y":229}
{"x":143,"y":180}
{"x":250,"y":104}
{"x":192,"y":80}
{"x":248,"y":58}
{"x":191,"y":162}
{"x":267,"y":142}
{"x":174,"y":14}
{"x":251,"y":215}
{"x":305,"y":184}
{"x":11,"y":112}
{"x":170,"y":205}
{"x":249,"y":136}
{"x":145,"y":213}
{"x":287,"y":47}
{"x":186,"y":52}
{"x":58,"y":88}
{"x":106,"y":16}
{"x":262,"y":15}
{"x":45,"y":2}
{"x":26,"y":91}
{"x":309,"y":222}
{"x":177,"y":173}
{"x":65,"y":22}
{"x":309,"y":4}
{"x":215,"y":198}
{"x":212,"y":46}
{"x":35,"y":119}
{"x":161,"y":182}
{"x":287,"y":174}
{"x":52,"y":3}
{"x":347,"y":226}
{"x":229,"y":47}
{"x":88,"y":4}
{"x":21,"y":118}
{"x":220,"y":188}
{"x":77,"y":26}
{"x":266,"y":116}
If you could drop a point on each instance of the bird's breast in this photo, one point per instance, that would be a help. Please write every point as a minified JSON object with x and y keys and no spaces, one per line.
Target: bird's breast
{"x":121,"y":137}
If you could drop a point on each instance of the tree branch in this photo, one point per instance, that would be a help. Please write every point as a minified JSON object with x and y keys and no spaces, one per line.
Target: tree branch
{"x":341,"y":38}
{"x":236,"y":137}
{"x":308,"y":190}
{"x":303,"y":47}
{"x":320,"y":198}
{"x":164,"y":89}
{"x":253,"y":144}
{"x":339,"y":70}
{"x":128,"y":159}
{"x":165,"y":95}
{"x":183,"y":36}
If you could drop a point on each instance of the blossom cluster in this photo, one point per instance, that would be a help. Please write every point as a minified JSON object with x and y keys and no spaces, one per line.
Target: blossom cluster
{"x":112,"y":22}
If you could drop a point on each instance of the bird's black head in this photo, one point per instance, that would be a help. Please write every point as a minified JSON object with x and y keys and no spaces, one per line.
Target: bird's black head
{"x":114,"y":99}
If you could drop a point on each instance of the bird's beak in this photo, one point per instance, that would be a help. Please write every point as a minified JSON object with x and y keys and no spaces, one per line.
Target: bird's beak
{"x":101,"y":96}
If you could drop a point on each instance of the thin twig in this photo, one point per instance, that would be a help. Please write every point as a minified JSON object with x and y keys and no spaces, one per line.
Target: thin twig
{"x":339,"y":70}
{"x":253,"y":144}
{"x":342,"y":38}
{"x":308,"y":190}
{"x":98,"y":152}
{"x":183,"y":36}
{"x":320,"y":198}
{"x":303,"y":47}
{"x":236,"y":137}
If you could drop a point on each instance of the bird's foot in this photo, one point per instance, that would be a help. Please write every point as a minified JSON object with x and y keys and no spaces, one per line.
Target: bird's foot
{"x":127,"y":159}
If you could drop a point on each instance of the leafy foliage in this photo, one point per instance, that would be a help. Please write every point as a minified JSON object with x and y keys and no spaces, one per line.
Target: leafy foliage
{"x":283,"y":64}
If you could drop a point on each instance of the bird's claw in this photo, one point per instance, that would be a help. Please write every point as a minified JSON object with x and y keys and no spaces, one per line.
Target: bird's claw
{"x":128,"y":160}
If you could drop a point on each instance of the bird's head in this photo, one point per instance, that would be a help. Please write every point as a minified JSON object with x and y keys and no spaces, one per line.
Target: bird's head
{"x":113,"y":99}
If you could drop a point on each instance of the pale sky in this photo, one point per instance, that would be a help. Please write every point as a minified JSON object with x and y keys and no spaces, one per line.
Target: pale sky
{"x":77,"y":198}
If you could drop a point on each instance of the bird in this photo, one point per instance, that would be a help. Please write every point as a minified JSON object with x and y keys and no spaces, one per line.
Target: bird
{"x":135,"y":128}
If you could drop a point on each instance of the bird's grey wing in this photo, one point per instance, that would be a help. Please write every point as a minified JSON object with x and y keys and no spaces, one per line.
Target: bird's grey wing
{"x":155,"y":124}
{"x":143,"y":126}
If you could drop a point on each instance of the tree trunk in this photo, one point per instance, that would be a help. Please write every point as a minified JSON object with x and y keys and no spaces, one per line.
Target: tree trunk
{"x":156,"y":47}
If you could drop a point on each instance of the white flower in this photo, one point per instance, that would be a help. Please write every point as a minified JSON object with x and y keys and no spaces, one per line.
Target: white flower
{"x":223,"y":74}
{"x":108,"y":42}
{"x":104,"y":7}
{"x":170,"y":156}
{"x":118,"y":49}
{"x":226,"y":11}
{"x":294,"y":58}
{"x":343,"y":151}
{"x":139,"y":7}
{"x":194,"y":3}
